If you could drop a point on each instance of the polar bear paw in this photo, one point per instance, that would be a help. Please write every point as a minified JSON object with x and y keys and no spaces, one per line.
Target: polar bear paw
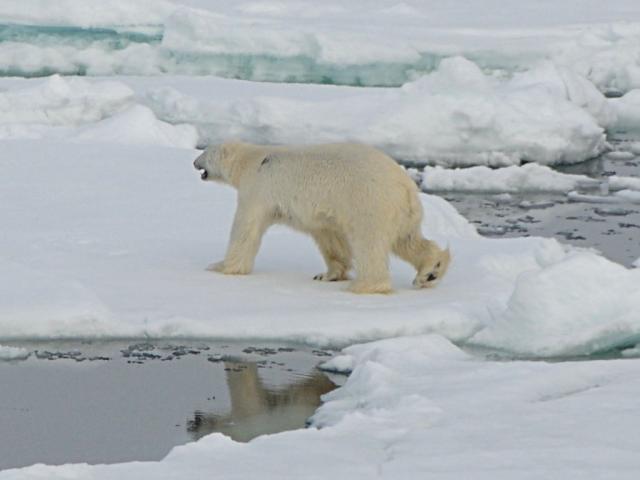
{"x":426,"y":280}
{"x":221,"y":267}
{"x":331,"y":277}
{"x":361,"y":287}
{"x":429,"y":278}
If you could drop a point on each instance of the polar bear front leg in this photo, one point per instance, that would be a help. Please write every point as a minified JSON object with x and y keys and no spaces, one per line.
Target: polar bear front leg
{"x":336,"y":253}
{"x":249,"y":224}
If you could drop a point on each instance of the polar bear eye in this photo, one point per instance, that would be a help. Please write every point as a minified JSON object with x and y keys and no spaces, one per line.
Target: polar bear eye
{"x":438,"y":265}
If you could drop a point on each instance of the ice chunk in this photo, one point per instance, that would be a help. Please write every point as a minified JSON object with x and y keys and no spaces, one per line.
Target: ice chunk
{"x":528,"y":178}
{"x":13,"y":353}
{"x":622,"y":196}
{"x":581,"y":305}
{"x":627,"y":111}
{"x":617,"y":182}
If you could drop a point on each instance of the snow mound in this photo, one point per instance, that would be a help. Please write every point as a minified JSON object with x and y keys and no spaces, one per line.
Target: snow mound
{"x":139,"y":126}
{"x":60,"y":101}
{"x":82,"y":110}
{"x":581,"y":305}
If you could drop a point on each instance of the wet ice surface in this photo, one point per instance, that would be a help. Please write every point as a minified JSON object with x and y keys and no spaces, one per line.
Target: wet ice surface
{"x":72,"y":402}
{"x":611,"y":228}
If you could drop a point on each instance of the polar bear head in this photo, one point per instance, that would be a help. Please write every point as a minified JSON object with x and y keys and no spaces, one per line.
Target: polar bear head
{"x":214,"y":163}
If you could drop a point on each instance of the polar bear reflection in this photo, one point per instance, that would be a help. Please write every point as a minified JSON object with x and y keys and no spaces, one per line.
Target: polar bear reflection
{"x":258,"y":410}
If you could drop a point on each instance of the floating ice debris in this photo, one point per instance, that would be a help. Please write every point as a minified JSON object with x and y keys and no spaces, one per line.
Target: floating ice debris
{"x":634,"y":147}
{"x":624,"y":183}
{"x":502,"y":198}
{"x":529,"y":205}
{"x":623,"y":196}
{"x":620,"y":155}
{"x":618,"y":212}
{"x":13,"y":353}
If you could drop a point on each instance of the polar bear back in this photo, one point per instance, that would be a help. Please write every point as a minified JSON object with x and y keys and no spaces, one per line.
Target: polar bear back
{"x":346,"y":183}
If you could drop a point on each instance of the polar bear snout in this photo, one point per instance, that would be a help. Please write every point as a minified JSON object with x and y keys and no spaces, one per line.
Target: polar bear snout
{"x":198,"y":164}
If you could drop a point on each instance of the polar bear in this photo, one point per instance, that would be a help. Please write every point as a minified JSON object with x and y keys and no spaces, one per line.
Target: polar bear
{"x":356,"y":202}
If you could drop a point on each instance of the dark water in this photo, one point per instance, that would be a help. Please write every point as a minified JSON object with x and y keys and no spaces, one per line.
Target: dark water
{"x":613,"y":229}
{"x":114,"y":402}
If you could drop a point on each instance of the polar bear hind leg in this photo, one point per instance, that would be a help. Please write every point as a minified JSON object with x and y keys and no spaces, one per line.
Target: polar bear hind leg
{"x":336,"y":252}
{"x":372,"y":266}
{"x":429,"y":260}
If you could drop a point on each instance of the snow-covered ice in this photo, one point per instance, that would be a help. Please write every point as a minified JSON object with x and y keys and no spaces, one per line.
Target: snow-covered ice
{"x":112,"y":241}
{"x":457,"y":115}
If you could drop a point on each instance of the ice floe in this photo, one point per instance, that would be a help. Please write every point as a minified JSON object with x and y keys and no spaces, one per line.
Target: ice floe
{"x":108,"y":240}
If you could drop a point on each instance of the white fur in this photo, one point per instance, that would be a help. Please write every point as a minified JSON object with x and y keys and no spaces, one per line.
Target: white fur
{"x":355,"y":201}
